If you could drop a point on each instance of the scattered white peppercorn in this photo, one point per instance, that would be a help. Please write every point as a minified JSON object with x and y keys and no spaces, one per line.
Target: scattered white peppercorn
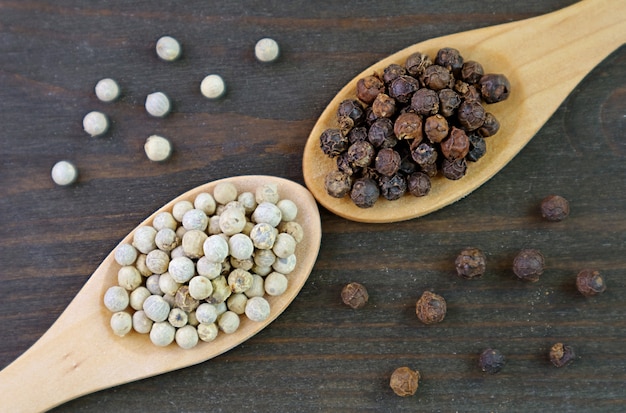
{"x":162,"y":334}
{"x":284,"y":245}
{"x":121,"y":323}
{"x":221,"y":290}
{"x":177,"y":317}
{"x":157,"y":261}
{"x":116,"y":298}
{"x":292,"y":228}
{"x":257,"y":309}
{"x":266,"y":50}
{"x":168,"y":48}
{"x":192,"y":243}
{"x":141,"y":323}
{"x":214,"y":225}
{"x":156,"y":308}
{"x":157,"y":148}
{"x":191,"y":319}
{"x":152,"y":284}
{"x":164,"y":220}
{"x":195,"y":219}
{"x":224,"y":192}
{"x":206,"y":313}
{"x":64,"y":173}
{"x":205,"y":202}
{"x":207,"y":332}
{"x":285,"y":265}
{"x":208,"y":269}
{"x":125,"y":254}
{"x":248,"y":201}
{"x":181,"y":269}
{"x":212,"y":87}
{"x":242,"y":264}
{"x":129,"y":277}
{"x":166,"y":239}
{"x":228,"y":322}
{"x":240,"y":246}
{"x":288,"y":209}
{"x":167,"y":285}
{"x":138,"y":296}
{"x":143,"y":239}
{"x":232,"y":221}
{"x":268,"y":213}
{"x":200,"y":287}
{"x":141,"y":266}
{"x":215,"y":248}
{"x":95,"y":123}
{"x":158,"y":104}
{"x":257,"y":288}
{"x":275,"y":283}
{"x":267,"y":193}
{"x":177,"y":252}
{"x":107,"y":90}
{"x":239,"y":280}
{"x":237,"y":303}
{"x":180,"y":208}
{"x":186,"y":337}
{"x":263,"y":236}
{"x":262,"y":270}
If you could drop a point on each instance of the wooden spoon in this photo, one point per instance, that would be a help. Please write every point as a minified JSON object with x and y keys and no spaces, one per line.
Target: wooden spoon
{"x":80,"y":354}
{"x":544,"y":58}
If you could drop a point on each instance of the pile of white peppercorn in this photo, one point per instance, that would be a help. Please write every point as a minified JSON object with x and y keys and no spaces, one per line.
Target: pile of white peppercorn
{"x":205,"y":263}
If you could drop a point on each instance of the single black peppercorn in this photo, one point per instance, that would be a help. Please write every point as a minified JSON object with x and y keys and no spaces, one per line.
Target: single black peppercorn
{"x":437,"y":77}
{"x":430,"y":308}
{"x":470,"y":263}
{"x":456,"y":145}
{"x":404,"y":381}
{"x":491,"y":361}
{"x":354,"y":295}
{"x":490,"y":126}
{"x":466,"y":91}
{"x":451,"y":59}
{"x":392,"y":187}
{"x":418,"y":184}
{"x":478,"y":147}
{"x":337,"y":184}
{"x":528,"y":265}
{"x":430,"y":169}
{"x":554,"y":208}
{"x":449,"y":101}
{"x":403,"y":87}
{"x":416,"y":63}
{"x":425,"y":102}
{"x":364,"y":192}
{"x":361,"y":153}
{"x":333,"y":142}
{"x":345,"y":166}
{"x":408,"y":126}
{"x":436,"y":128}
{"x":352,"y":109}
{"x":471,"y":115}
{"x":387,"y":161}
{"x":381,"y":134}
{"x":453,"y":169}
{"x":472,"y":71}
{"x":590,"y":282}
{"x":384,"y":106}
{"x":424,"y":154}
{"x":368,"y":88}
{"x":345,"y":124}
{"x":357,"y":134}
{"x":561,"y":355}
{"x":392,"y":72}
{"x":494,"y":87}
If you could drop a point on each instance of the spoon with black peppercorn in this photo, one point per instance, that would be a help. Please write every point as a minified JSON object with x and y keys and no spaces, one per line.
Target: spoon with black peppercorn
{"x":80,"y":354}
{"x":544,"y":58}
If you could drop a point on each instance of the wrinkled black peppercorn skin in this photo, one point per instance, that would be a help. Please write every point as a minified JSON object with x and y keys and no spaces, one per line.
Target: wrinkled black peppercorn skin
{"x":354,"y":295}
{"x":352,"y":109}
{"x":456,"y":145}
{"x":491,"y":361}
{"x":490,"y":126}
{"x":451,"y":59}
{"x":453,"y":169}
{"x":337,"y":184}
{"x":470,"y":263}
{"x":368,"y":88}
{"x":561,"y":354}
{"x":528,"y":264}
{"x":364,"y":192}
{"x":478,"y":147}
{"x":554,"y":208}
{"x":430,"y":308}
{"x":392,"y":72}
{"x":494,"y":87}
{"x":333,"y":142}
{"x":387,"y":161}
{"x":408,"y":126}
{"x":392,"y":187}
{"x":381,"y":134}
{"x":361,"y":153}
{"x":449,"y":101}
{"x":424,"y":154}
{"x":403,"y":87}
{"x":416,"y":63}
{"x":418,"y":184}
{"x":590,"y":282}
{"x":472,"y":71}
{"x":425,"y":102}
{"x":436,"y":77}
{"x":436,"y":128}
{"x":471,"y":115}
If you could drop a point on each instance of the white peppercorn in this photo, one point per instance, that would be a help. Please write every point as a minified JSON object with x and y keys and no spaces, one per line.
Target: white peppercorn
{"x":221,"y":290}
{"x":138,"y":296}
{"x":257,"y":309}
{"x":215,"y":248}
{"x":232,"y":221}
{"x":248,"y":201}
{"x":266,"y":50}
{"x":157,"y":261}
{"x":224,"y":192}
{"x":157,"y":104}
{"x":157,"y":148}
{"x":212,"y":86}
{"x":193,"y":242}
{"x":246,"y":264}
{"x":166,"y":239}
{"x":205,"y":202}
{"x":64,"y":173}
{"x":195,"y":219}
{"x":125,"y":254}
{"x":284,"y":246}
{"x":121,"y":323}
{"x":164,"y":220}
{"x":207,"y":332}
{"x":168,"y":48}
{"x":191,"y":319}
{"x":156,"y":308}
{"x":95,"y":123}
{"x":200,"y":287}
{"x":239,"y":280}
{"x":206,"y":313}
{"x":240,"y":246}
{"x":292,"y":228}
{"x":184,"y":300}
{"x":285,"y":265}
{"x":141,"y":323}
{"x":179,"y":210}
{"x":237,"y":303}
{"x":177,"y":317}
{"x":141,"y":266}
{"x":214,"y":225}
{"x":263,"y":236}
{"x":264,"y":258}
{"x":186,"y":337}
{"x":152,"y":284}
{"x":143,"y":239}
{"x":257,"y":288}
{"x":180,"y":232}
{"x":129,"y":277}
{"x":169,"y":299}
{"x":116,"y":298}
{"x":107,"y":90}
{"x":177,"y":252}
{"x":288,"y":209}
{"x":262,"y":270}
{"x":167,"y":284}
{"x":181,"y":269}
{"x":228,"y":322}
{"x":208,"y":269}
{"x":247,"y":228}
{"x":267,"y":193}
{"x":275,"y":283}
{"x":267,"y":212}
{"x":162,"y":334}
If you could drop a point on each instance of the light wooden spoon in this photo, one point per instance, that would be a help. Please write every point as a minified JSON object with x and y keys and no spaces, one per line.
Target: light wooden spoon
{"x":544,"y":58}
{"x":79,"y":354}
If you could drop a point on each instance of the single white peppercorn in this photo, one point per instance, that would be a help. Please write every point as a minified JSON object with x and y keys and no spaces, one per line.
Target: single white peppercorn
{"x":240,"y":246}
{"x":237,"y":303}
{"x":64,"y":173}
{"x":207,"y":332}
{"x":288,"y":209}
{"x":232,"y":221}
{"x":275,"y":283}
{"x":143,"y":239}
{"x":200,"y":287}
{"x":263,"y":236}
{"x":208,"y":269}
{"x":157,"y":148}
{"x":205,"y":202}
{"x":221,"y":290}
{"x":180,"y":232}
{"x":129,"y":277}
{"x":157,"y":261}
{"x":116,"y":298}
{"x":138,"y":296}
{"x":257,"y":288}
{"x":125,"y":254}
{"x":267,"y":193}
{"x":152,"y":284}
{"x":266,"y":50}
{"x":212,"y":86}
{"x":162,"y":334}
{"x":121,"y":323}
{"x":95,"y":123}
{"x":264,"y":258}
{"x":239,"y":280}
{"x":248,"y":201}
{"x":257,"y":309}
{"x":214,"y":225}
{"x":262,"y":270}
{"x":206,"y":313}
{"x":107,"y":90}
{"x":168,"y":48}
{"x":177,"y":252}
{"x":141,"y":266}
{"x":284,"y":246}
{"x":267,"y":212}
{"x":177,"y":317}
{"x":224,"y":192}
{"x":193,"y":242}
{"x":180,"y":208}
{"x":246,"y":264}
{"x":228,"y":322}
{"x":221,"y":308}
{"x":292,"y":228}
{"x":166,"y":239}
{"x":181,"y":269}
{"x":285,"y":265}
{"x":156,"y":308}
{"x":191,"y":319}
{"x":187,"y":337}
{"x":195,"y":219}
{"x":141,"y":323}
{"x":215,"y":248}
{"x":157,"y":104}
{"x":164,"y":220}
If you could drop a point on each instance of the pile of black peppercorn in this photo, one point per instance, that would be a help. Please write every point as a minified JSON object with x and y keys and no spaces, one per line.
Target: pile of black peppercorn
{"x":410,"y":123}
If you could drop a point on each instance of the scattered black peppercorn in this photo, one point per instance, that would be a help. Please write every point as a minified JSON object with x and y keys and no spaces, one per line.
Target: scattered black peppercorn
{"x":453,"y":169}
{"x":337,"y":184}
{"x":381,"y":134}
{"x":471,"y":115}
{"x":436,"y":77}
{"x":333,"y":142}
{"x":384,"y":106}
{"x":478,"y":147}
{"x":408,"y":126}
{"x":491,"y":361}
{"x":404,"y":381}
{"x":451,"y":59}
{"x":361,"y":153}
{"x":470,"y":263}
{"x":456,"y":145}
{"x":368,"y":88}
{"x":352,"y":109}
{"x":364,"y":192}
{"x":392,"y":187}
{"x":354,"y":295}
{"x":425,"y":102}
{"x":554,"y":208}
{"x":590,"y":282}
{"x":357,"y":134}
{"x":528,"y":265}
{"x":449,"y":101}
{"x":424,"y":154}
{"x":416,"y":63}
{"x":392,"y":72}
{"x":430,"y":308}
{"x":387,"y":161}
{"x":436,"y":128}
{"x":472,"y":71}
{"x":561,"y":354}
{"x":490,"y":126}
{"x":418,"y":184}
{"x":403,"y":87}
{"x":494,"y":88}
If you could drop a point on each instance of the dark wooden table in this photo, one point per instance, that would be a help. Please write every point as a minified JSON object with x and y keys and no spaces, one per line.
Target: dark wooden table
{"x":319,"y":355}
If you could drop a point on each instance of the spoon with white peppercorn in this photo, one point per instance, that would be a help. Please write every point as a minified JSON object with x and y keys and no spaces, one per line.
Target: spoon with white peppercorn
{"x":544,"y":59}
{"x":80,"y":353}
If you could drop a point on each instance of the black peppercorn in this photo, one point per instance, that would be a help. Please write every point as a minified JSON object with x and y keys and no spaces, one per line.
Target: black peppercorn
{"x":391,"y":72}
{"x":392,"y":187}
{"x":491,"y":361}
{"x":437,"y":77}
{"x":453,"y":170}
{"x":352,"y":109}
{"x":424,"y":154}
{"x":404,"y":381}
{"x":381,"y":134}
{"x":455,"y":145}
{"x":472,"y":71}
{"x":471,"y":115}
{"x":354,"y":295}
{"x":528,"y":265}
{"x":430,"y":308}
{"x":561,"y":355}
{"x":345,"y":166}
{"x":368,"y":88}
{"x":337,"y":184}
{"x":494,"y":87}
{"x":467,"y":91}
{"x":425,"y":102}
{"x":357,"y":134}
{"x":451,"y":59}
{"x":590,"y":282}
{"x":416,"y":63}
{"x":478,"y":147}
{"x":430,"y":169}
{"x":333,"y":142}
{"x":490,"y":126}
{"x":449,"y":101}
{"x":361,"y":153}
{"x":364,"y":192}
{"x":436,"y":128}
{"x":470,"y":263}
{"x":384,"y":106}
{"x":403,"y":87}
{"x":418,"y":184}
{"x":408,"y":126}
{"x":554,"y":208}
{"x":387,"y":161}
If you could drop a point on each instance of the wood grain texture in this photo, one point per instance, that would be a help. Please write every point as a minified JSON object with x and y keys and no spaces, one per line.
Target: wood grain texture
{"x":318,"y":355}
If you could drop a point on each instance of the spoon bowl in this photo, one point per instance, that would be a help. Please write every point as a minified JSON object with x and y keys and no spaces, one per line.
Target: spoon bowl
{"x":544,"y":58}
{"x":79,"y":354}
